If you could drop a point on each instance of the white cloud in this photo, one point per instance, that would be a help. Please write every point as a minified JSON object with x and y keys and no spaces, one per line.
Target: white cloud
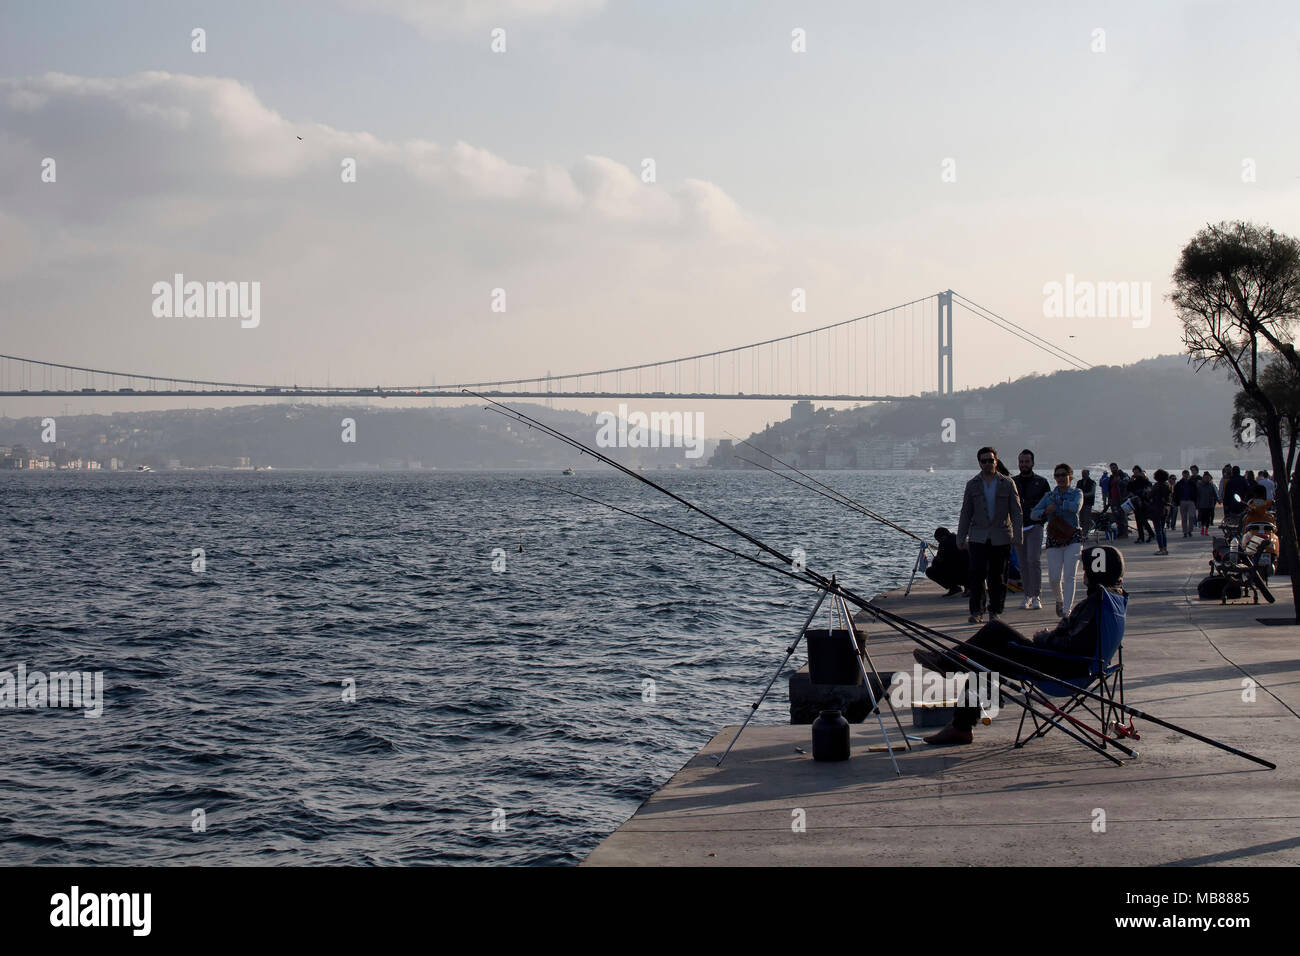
{"x":156,"y":134}
{"x":161,"y":173}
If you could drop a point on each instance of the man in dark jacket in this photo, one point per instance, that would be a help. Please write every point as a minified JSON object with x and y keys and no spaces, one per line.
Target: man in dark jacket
{"x":1185,"y":498}
{"x":1236,"y":490}
{"x":1029,"y":555}
{"x":990,"y":523}
{"x":1207,"y":496}
{"x":1139,"y":494}
{"x":1089,"y":489}
{"x":1078,"y":634}
{"x":1116,"y":495}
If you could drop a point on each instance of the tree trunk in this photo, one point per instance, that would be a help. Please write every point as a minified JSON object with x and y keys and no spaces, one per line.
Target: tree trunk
{"x":1285,"y":512}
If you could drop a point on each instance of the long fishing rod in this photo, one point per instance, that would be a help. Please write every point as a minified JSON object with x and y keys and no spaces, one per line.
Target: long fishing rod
{"x":924,"y":640}
{"x":898,"y":623}
{"x":838,"y":495}
{"x":846,"y":502}
{"x":839,"y":501}
{"x":668,"y":527}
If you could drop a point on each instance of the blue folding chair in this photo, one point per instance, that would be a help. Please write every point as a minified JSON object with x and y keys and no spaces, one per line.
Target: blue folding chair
{"x":1096,"y":674}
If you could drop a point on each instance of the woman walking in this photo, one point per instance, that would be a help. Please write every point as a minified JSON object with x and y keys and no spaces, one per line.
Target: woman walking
{"x":1207,"y":496}
{"x":1060,"y":507}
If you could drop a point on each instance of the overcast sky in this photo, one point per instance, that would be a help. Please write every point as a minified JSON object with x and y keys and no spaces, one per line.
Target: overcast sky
{"x":990,"y":148}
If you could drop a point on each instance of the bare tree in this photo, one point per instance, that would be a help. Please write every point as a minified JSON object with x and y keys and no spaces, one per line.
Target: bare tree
{"x":1237,"y":291}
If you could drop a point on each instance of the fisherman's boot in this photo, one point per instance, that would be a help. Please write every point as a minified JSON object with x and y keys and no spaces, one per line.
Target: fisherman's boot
{"x":949,"y":737}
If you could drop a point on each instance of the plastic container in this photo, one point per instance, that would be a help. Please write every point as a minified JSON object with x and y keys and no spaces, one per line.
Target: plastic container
{"x":830,"y":736}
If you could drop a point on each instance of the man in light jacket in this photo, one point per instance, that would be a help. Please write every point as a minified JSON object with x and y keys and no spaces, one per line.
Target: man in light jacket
{"x":991,"y":522}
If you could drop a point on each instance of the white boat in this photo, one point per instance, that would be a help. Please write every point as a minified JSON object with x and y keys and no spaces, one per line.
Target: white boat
{"x":143,"y":468}
{"x":568,"y":471}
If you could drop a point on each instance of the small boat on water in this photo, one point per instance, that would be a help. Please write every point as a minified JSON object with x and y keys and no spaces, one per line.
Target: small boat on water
{"x":568,"y":471}
{"x":932,"y":469}
{"x":143,"y":468}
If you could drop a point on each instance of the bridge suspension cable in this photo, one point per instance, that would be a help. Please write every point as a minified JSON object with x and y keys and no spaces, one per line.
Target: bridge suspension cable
{"x":872,"y":357}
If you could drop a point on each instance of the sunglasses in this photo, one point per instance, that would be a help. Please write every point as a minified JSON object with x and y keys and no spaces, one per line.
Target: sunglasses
{"x":987,"y":461}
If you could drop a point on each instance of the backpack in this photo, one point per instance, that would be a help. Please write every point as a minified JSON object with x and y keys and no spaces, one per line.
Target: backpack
{"x":1212,"y":588}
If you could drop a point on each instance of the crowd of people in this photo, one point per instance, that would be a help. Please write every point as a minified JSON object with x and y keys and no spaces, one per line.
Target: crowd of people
{"x":1009,"y":525}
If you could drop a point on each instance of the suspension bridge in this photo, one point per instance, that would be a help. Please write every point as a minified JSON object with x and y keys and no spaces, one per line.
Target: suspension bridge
{"x":901,"y":353}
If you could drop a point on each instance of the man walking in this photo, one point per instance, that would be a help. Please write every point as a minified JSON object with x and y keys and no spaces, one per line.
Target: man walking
{"x":991,"y":522}
{"x":1116,"y":495}
{"x":1207,"y":496}
{"x":1236,"y":490}
{"x":1089,"y":489}
{"x":1185,"y":495}
{"x":1029,"y":554}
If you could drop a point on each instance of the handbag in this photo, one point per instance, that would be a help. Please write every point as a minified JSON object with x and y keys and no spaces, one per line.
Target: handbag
{"x":1060,"y":529}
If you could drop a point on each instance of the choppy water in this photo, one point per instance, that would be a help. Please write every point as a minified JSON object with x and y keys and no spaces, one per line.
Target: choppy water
{"x":519,"y":691}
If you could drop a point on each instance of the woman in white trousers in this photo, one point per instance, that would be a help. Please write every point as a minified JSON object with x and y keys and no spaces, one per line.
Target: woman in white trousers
{"x":1062,"y":504}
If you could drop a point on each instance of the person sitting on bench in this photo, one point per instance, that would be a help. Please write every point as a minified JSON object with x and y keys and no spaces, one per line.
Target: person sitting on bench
{"x":1078,"y":634}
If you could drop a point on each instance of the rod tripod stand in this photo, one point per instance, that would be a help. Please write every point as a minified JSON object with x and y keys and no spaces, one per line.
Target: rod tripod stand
{"x":920,"y":564}
{"x":839,"y":609}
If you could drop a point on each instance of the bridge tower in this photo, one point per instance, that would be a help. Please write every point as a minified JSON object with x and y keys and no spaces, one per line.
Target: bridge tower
{"x":945,"y":342}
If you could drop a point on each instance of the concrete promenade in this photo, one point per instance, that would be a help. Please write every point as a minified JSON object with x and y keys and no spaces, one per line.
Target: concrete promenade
{"x":1180,"y":803}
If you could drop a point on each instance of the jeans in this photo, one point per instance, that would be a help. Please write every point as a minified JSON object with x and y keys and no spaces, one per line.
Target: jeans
{"x":1062,"y":565}
{"x":988,"y":563}
{"x":1030,"y":555}
{"x":1161,"y":542}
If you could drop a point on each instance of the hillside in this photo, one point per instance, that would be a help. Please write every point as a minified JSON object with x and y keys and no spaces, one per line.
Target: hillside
{"x":1158,"y":413}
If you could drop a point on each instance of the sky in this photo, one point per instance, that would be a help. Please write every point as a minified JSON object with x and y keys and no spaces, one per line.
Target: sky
{"x":867,"y":153}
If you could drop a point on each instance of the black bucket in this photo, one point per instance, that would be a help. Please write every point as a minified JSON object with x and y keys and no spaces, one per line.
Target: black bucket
{"x":833,"y":657}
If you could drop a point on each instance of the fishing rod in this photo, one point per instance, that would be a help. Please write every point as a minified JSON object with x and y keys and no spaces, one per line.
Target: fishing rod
{"x":903,"y":625}
{"x":838,"y":495}
{"x":668,"y":527}
{"x":852,"y":507}
{"x":962,"y":661}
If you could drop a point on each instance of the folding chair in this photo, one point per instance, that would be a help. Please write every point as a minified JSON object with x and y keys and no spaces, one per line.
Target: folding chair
{"x":1096,"y":674}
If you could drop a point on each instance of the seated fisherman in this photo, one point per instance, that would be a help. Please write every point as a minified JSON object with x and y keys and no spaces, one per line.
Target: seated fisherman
{"x":1103,"y":570}
{"x":950,"y":566}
